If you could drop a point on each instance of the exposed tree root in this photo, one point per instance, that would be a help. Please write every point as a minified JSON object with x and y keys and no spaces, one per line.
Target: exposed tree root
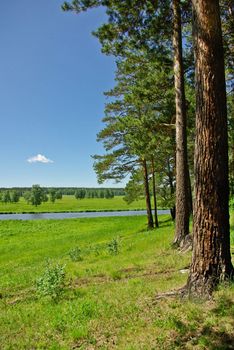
{"x":171,"y":294}
{"x":186,"y":245}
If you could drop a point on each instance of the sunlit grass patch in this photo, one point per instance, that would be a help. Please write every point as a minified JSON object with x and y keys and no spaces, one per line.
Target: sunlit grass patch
{"x":71,"y":204}
{"x":108,"y":300}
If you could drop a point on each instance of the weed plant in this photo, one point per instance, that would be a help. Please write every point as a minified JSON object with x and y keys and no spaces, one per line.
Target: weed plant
{"x":75,"y":254}
{"x":51,"y":283}
{"x":113,"y":246}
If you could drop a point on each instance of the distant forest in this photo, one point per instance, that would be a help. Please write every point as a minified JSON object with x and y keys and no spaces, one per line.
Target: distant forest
{"x":90,"y":192}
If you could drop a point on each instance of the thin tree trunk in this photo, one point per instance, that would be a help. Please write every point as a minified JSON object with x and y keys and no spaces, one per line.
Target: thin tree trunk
{"x":182,"y":188}
{"x":190,"y":196}
{"x":173,"y":212}
{"x":172,"y":190}
{"x":147,"y":196}
{"x":154,"y":194}
{"x":211,"y":260}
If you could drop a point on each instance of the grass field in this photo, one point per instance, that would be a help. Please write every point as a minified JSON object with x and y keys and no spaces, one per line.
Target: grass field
{"x":109,"y":301}
{"x":71,"y":204}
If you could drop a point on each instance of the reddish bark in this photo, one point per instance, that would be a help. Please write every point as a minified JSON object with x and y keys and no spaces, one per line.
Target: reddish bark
{"x":147,"y":196}
{"x":211,"y":260}
{"x":182,"y":172}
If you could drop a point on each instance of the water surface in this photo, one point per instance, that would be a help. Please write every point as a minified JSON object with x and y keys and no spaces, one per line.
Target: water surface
{"x":94,"y":214}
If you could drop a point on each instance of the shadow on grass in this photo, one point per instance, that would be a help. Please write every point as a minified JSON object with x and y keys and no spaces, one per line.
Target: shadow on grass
{"x":225,"y":307}
{"x":216,"y":340}
{"x":165,"y":222}
{"x":207,"y":336}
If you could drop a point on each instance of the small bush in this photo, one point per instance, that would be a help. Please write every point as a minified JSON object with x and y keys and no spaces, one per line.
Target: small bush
{"x":51,"y":283}
{"x":75,"y":254}
{"x":113,"y":246}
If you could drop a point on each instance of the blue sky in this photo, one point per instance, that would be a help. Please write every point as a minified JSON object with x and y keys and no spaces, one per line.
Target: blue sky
{"x":52,"y":79}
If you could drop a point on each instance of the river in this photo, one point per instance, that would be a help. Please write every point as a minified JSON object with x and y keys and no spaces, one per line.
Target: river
{"x":94,"y":214}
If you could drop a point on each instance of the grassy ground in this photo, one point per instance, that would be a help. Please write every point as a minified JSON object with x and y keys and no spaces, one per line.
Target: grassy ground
{"x":70,"y":204}
{"x":109,"y":300}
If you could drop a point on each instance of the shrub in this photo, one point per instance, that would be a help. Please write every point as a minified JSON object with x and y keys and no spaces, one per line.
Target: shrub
{"x":113,"y":246}
{"x":51,"y":283}
{"x":75,"y":254}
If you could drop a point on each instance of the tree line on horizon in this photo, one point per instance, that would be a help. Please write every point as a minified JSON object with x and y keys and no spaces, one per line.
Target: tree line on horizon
{"x":120,"y":191}
{"x":170,"y":105}
{"x":13,"y":195}
{"x":36,"y":194}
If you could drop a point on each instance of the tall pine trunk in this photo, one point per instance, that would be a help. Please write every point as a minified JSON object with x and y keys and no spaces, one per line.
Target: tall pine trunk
{"x":147,"y":196}
{"x":154,"y":194}
{"x":211,"y":260}
{"x":182,"y":172}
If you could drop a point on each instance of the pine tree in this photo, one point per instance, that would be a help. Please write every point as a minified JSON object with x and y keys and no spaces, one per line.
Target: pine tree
{"x":211,"y":261}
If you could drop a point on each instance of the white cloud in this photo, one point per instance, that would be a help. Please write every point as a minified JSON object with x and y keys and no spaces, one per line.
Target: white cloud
{"x":39,"y":158}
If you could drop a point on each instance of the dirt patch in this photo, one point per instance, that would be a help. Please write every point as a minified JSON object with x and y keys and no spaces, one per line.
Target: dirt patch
{"x":100,"y":279}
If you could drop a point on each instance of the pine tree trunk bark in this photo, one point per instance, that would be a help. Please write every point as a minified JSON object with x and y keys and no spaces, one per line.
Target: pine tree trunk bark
{"x":211,"y":260}
{"x":147,"y":196}
{"x":155,"y":195}
{"x":182,"y":172}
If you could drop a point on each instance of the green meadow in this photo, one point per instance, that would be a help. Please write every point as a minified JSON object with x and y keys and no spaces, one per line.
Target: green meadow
{"x":114,"y":271}
{"x":71,"y":204}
